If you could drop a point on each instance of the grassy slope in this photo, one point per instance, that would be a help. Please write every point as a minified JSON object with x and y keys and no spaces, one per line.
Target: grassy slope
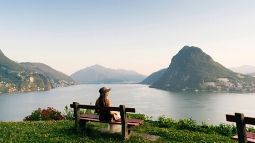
{"x":63,"y":131}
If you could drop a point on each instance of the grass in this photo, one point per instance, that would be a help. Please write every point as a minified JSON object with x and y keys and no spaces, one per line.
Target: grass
{"x":163,"y":131}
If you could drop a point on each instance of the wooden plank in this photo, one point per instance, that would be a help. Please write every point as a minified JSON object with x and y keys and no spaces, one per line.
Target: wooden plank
{"x":90,"y":119}
{"x":250,"y":137}
{"x":93,"y":117}
{"x":230,"y":118}
{"x":108,"y":108}
{"x":114,"y":122}
{"x":247,"y":120}
{"x":138,"y":121}
{"x":132,"y":124}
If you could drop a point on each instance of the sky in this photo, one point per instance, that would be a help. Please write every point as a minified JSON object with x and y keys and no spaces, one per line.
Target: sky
{"x":139,"y":35}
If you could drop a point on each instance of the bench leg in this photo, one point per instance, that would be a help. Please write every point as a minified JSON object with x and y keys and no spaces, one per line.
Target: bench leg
{"x":129,"y":132}
{"x":126,"y":134}
{"x":82,"y":125}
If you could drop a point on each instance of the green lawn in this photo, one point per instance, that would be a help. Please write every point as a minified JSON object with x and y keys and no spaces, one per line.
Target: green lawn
{"x":64,"y":132}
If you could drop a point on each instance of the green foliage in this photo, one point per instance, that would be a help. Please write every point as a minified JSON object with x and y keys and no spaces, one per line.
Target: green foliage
{"x":82,"y":111}
{"x":251,"y":129}
{"x":188,"y":124}
{"x":68,"y":113}
{"x":165,"y":122}
{"x":35,"y":116}
{"x":44,"y":114}
{"x":186,"y":136}
{"x":138,"y":116}
{"x":191,"y":125}
{"x":88,"y":111}
{"x":225,"y":129}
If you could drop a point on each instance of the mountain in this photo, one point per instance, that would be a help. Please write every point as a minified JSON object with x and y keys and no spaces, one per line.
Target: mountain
{"x":24,"y":77}
{"x":153,"y":77}
{"x":251,"y":74}
{"x":245,"y":69}
{"x":192,"y":69}
{"x":57,"y":78}
{"x":15,"y":78}
{"x":7,"y":63}
{"x":100,"y":74}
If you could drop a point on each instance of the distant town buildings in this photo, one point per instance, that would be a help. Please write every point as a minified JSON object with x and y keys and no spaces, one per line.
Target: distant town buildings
{"x":29,"y":83}
{"x":224,"y":84}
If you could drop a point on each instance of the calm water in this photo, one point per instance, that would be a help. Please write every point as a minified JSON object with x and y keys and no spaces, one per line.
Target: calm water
{"x":210,"y":108}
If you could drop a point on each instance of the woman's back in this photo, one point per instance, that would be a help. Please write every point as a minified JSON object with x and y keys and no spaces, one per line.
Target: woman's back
{"x":104,"y":114}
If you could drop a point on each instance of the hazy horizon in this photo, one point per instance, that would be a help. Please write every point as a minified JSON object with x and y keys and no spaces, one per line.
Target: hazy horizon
{"x":140,"y":35}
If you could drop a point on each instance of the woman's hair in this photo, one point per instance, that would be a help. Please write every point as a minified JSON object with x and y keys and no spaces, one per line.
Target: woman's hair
{"x":103,"y":101}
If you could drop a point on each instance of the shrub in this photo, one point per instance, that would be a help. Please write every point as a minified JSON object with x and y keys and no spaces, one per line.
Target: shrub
{"x":165,"y":122}
{"x":251,"y":129}
{"x":191,"y":125}
{"x":138,"y":116}
{"x":68,"y":113}
{"x":35,"y":115}
{"x":188,"y":124}
{"x":44,"y":114}
{"x":224,"y":129}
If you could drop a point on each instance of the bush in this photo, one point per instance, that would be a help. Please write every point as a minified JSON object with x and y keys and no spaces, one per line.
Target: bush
{"x":44,"y":114}
{"x":250,"y":129}
{"x":188,"y":124}
{"x":138,"y":116}
{"x":191,"y":125}
{"x":68,"y":113}
{"x":224,"y":129}
{"x":165,"y":122}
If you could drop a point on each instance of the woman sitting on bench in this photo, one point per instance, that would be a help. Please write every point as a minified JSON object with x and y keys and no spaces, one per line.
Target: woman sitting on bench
{"x":103,"y":101}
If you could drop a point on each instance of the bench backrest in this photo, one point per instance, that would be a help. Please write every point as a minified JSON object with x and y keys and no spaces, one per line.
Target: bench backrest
{"x":247,"y":120}
{"x":94,"y":107}
{"x":240,"y":125}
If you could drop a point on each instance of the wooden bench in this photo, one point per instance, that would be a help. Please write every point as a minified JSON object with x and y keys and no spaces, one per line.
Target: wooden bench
{"x":242,"y":136}
{"x":126,"y":124}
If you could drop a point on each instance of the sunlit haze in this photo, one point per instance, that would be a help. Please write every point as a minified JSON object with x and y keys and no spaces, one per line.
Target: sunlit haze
{"x":139,"y":35}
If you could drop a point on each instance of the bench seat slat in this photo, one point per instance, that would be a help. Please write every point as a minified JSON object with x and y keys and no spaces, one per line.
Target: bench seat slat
{"x":95,"y":118}
{"x":92,"y":116}
{"x":250,"y":137}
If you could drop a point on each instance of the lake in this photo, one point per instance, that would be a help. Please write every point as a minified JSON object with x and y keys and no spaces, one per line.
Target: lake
{"x":207,"y":107}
